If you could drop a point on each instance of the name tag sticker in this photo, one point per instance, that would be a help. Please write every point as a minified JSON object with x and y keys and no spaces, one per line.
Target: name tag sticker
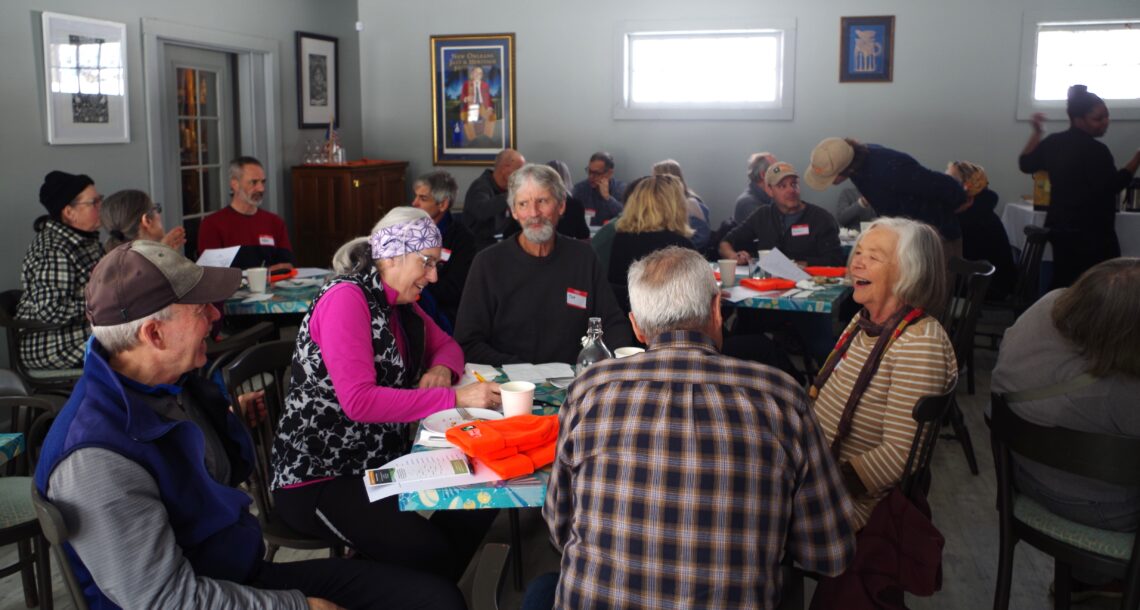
{"x":445,"y":255}
{"x":800,"y":230}
{"x":576,"y":298}
{"x":266,"y":240}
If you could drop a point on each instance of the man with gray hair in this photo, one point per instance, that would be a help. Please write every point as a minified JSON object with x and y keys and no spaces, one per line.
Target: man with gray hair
{"x":145,"y":458}
{"x":261,"y":234}
{"x":756,"y":194}
{"x":683,"y":476}
{"x":485,"y":205}
{"x":529,"y":298}
{"x":434,"y":193}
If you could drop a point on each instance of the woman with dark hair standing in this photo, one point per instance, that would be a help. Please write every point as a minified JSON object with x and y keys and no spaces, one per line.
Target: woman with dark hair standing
{"x":1085,"y":181}
{"x":129,"y":215}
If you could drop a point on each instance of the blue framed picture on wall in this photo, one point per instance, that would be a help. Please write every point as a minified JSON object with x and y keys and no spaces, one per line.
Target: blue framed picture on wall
{"x":472,"y":98}
{"x":866,"y":49}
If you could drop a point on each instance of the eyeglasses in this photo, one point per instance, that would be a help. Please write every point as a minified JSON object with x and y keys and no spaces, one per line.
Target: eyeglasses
{"x":97,"y":201}
{"x":596,"y":173}
{"x":429,"y":262}
{"x":157,"y":209}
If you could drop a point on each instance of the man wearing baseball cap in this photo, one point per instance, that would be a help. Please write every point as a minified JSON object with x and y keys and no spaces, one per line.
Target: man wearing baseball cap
{"x":146,"y":456}
{"x":802,"y":231}
{"x":891,"y":182}
{"x":55,"y":270}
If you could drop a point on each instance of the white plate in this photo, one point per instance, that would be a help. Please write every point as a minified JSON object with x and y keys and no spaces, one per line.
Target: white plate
{"x":294,"y":284}
{"x":561,"y":382}
{"x":440,"y":422}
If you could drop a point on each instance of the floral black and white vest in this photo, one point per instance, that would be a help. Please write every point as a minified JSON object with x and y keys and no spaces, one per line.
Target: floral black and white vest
{"x":315,"y":439}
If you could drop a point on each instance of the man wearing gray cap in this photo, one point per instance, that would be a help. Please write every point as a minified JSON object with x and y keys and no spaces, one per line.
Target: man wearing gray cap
{"x":145,"y":458}
{"x":55,"y":270}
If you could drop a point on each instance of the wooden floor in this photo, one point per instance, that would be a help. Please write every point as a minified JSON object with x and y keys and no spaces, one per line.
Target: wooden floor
{"x":963,"y":508}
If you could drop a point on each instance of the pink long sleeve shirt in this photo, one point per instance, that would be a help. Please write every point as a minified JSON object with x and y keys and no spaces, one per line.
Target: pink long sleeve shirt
{"x":341,"y":326}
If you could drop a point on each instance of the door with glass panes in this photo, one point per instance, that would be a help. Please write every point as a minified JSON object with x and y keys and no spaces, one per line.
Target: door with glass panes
{"x":201,"y":123}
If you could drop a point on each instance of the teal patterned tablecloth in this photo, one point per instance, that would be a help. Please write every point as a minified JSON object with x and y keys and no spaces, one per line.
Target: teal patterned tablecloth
{"x":295,"y":300}
{"x":12,"y":444}
{"x":820,"y":301}
{"x":520,"y":492}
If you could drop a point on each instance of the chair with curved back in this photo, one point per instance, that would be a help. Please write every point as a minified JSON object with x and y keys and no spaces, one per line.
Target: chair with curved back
{"x":267,"y":366}
{"x":1026,"y":288}
{"x":18,"y":524}
{"x":40,"y":381}
{"x":969,"y":281}
{"x":1103,"y":457}
{"x":221,"y":353}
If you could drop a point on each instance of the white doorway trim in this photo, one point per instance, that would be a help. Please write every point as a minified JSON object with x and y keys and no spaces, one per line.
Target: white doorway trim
{"x":259,"y":97}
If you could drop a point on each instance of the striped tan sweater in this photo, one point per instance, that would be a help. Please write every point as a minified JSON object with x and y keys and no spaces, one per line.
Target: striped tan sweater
{"x":921,"y":362}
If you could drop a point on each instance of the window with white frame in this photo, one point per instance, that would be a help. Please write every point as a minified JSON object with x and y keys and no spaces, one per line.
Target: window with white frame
{"x":706,"y":72}
{"x":1103,"y":55}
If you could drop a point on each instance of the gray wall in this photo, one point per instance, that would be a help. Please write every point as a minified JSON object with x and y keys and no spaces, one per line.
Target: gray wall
{"x":25,"y":155}
{"x":954,"y":93}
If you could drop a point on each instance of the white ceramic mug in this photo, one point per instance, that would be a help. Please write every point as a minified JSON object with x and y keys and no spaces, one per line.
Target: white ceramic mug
{"x":518,"y":398}
{"x":626,"y":352}
{"x":256,"y":277}
{"x":727,"y":271}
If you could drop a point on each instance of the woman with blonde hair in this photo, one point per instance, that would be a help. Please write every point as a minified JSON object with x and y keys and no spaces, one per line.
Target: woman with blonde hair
{"x":696,"y":209}
{"x":368,"y":363}
{"x":130,"y":214}
{"x":654,"y":217}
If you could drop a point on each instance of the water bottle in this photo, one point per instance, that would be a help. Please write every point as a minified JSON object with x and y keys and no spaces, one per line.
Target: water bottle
{"x":593,"y":348}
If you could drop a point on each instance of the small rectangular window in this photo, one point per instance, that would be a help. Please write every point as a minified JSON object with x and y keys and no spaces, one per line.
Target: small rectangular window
{"x":714,"y":73}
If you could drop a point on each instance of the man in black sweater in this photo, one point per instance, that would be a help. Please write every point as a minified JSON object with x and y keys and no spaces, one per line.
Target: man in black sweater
{"x":485,"y":204}
{"x":434,"y":193}
{"x":529,"y":298}
{"x":804,"y":232}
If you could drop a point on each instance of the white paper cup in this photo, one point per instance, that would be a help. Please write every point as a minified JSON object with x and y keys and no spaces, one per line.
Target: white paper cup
{"x":518,"y":398}
{"x":727,"y":271}
{"x":626,"y":352}
{"x":257,"y":277}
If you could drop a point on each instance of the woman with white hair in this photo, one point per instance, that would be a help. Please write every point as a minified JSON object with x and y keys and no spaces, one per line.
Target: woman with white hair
{"x":369,"y":362}
{"x":890,"y":355}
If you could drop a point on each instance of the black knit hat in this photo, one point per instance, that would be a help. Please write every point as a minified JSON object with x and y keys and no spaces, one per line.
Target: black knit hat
{"x":60,"y":189}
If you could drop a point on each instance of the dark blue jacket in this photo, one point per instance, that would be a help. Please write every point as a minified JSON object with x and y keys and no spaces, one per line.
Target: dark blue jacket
{"x":211,"y":521}
{"x":895,"y":184}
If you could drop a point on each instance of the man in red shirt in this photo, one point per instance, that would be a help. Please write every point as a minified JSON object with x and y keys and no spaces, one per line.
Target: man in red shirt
{"x":261,"y":234}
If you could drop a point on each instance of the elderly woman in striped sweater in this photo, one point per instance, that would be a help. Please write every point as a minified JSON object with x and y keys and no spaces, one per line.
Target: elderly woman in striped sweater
{"x":890,"y":355}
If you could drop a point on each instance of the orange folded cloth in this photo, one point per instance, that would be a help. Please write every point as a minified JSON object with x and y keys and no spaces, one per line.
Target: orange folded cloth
{"x":513,"y":446}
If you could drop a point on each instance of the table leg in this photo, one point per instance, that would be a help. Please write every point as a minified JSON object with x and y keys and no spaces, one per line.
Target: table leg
{"x":516,"y":548}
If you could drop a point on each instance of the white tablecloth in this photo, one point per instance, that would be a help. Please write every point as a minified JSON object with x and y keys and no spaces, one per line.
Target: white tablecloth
{"x":1018,"y":214}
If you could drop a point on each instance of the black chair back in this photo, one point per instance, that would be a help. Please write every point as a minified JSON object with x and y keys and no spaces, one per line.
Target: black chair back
{"x":14,"y":329}
{"x":1104,"y":457}
{"x":55,"y":530}
{"x":968,"y":281}
{"x":221,"y":353}
{"x":1027,"y":287}
{"x":929,"y":412}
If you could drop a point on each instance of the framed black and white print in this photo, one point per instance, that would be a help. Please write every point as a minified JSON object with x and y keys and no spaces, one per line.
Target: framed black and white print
{"x":85,"y":80}
{"x":318,"y":81}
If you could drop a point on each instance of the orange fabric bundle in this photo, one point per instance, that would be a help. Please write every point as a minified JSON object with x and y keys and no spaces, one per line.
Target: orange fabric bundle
{"x":826,"y":271}
{"x":513,"y":446}
{"x":766,"y":284}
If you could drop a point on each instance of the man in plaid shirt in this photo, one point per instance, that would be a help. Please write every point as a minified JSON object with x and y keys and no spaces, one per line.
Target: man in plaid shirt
{"x":683,"y":476}
{"x":56,"y":268}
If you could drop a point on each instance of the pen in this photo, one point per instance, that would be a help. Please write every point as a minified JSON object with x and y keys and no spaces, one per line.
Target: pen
{"x":479,"y":377}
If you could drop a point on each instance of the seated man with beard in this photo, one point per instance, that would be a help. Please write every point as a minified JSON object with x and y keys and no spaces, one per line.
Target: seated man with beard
{"x":261,"y":234}
{"x":529,"y":298}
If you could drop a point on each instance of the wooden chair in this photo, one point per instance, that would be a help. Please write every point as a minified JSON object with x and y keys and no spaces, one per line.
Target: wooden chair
{"x":56,"y":532}
{"x":969,"y":281}
{"x":1026,"y":288}
{"x":221,"y":353}
{"x":1108,"y":458}
{"x":490,"y":572}
{"x":40,"y":381}
{"x":18,"y":523}
{"x":267,"y":366}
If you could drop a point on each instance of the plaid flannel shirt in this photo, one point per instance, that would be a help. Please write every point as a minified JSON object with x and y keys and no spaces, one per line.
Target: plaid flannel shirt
{"x":55,"y":272}
{"x":684,"y":476}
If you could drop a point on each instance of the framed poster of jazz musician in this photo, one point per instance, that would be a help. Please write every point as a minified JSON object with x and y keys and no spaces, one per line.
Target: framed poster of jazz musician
{"x":866,"y":49}
{"x":472,"y":97}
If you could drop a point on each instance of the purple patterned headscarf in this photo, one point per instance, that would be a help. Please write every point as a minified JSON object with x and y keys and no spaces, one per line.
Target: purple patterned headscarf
{"x":398,"y":239}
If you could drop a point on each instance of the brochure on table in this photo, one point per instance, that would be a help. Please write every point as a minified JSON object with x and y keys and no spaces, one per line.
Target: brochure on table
{"x":426,"y":470}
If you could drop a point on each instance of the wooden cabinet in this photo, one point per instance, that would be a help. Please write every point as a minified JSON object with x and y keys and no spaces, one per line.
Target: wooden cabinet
{"x":334,"y":203}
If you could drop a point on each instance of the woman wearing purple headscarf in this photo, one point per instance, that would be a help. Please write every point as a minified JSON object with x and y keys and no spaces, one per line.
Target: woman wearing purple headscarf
{"x":369,"y":362}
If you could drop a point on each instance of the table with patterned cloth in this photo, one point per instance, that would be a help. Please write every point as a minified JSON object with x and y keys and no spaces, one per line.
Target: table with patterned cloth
{"x":527,"y":491}
{"x":826,"y":300}
{"x":11,"y":445}
{"x":283,"y":301}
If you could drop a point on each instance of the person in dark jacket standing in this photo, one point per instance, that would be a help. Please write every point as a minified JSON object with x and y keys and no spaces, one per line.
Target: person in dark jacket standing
{"x":1084,"y":181}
